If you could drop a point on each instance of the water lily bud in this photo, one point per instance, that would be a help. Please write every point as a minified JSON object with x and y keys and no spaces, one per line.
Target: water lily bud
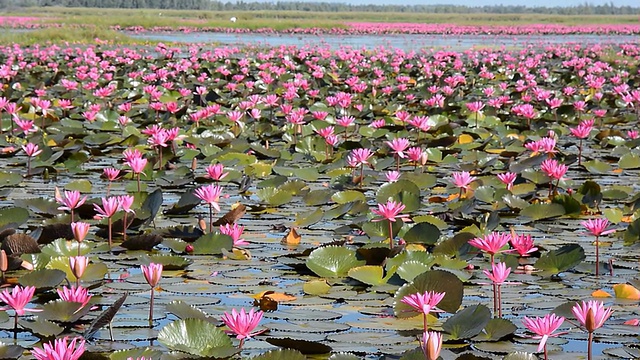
{"x":188,"y":249}
{"x":4,"y":262}
{"x":590,"y":321}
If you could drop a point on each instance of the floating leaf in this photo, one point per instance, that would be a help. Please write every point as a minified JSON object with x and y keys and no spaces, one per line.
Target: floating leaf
{"x":186,"y":311}
{"x":316,"y":287}
{"x":629,"y":161}
{"x":597,"y":167}
{"x":518,"y":355}
{"x":63,"y":311}
{"x":196,"y":337}
{"x":403,"y":191}
{"x":10,"y":178}
{"x":434,"y":280}
{"x":82,"y":185}
{"x":600,"y":294}
{"x":571,"y":206}
{"x":332,"y":261}
{"x":343,"y":197}
{"x":410,"y":269}
{"x":543,"y":211}
{"x":43,"y":279}
{"x":423,"y":233}
{"x":42,"y":327}
{"x":10,"y":351}
{"x":187,"y":201}
{"x":281,"y":354}
{"x":496,"y":329}
{"x":626,"y":291}
{"x":212,"y":244}
{"x":291,"y":238}
{"x":309,"y":218}
{"x":273,"y":196}
{"x":562,"y":259}
{"x":632,"y":234}
{"x":304,"y":346}
{"x":136,"y":353}
{"x":13,"y":215}
{"x":368,"y":274}
{"x":467,"y":322}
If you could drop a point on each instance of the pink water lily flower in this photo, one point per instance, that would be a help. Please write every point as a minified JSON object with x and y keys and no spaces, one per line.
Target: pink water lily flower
{"x":60,"y":349}
{"x":597,"y":227}
{"x":216,"y":172}
{"x":18,"y":298}
{"x":522,"y":244}
{"x":235,"y":231}
{"x":462,"y":179}
{"x":543,"y":327}
{"x":591,"y":314}
{"x":70,"y":200}
{"x":508,"y":179}
{"x":389,"y":211}
{"x":491,"y":243}
{"x":242,"y":324}
{"x":431,"y":345}
{"x":74,"y":294}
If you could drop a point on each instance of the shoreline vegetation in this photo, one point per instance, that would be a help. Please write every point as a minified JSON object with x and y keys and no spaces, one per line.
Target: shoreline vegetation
{"x":77,"y":25}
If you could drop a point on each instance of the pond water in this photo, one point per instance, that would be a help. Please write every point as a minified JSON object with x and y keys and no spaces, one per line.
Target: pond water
{"x":405,"y":42}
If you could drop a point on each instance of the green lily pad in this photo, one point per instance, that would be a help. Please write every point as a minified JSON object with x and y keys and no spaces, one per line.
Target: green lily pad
{"x":212,"y":244}
{"x":562,"y":259}
{"x":62,"y":247}
{"x":185,"y":311}
{"x":309,"y":218}
{"x":381,"y":228}
{"x":496,"y":329}
{"x":136,"y":353}
{"x":569,"y":203}
{"x":597,"y":167}
{"x":43,"y":279}
{"x":303,"y":346}
{"x":196,"y":337}
{"x":13,"y":215}
{"x":434,"y":280}
{"x":343,"y":197}
{"x":369,"y":274}
{"x":318,"y":197}
{"x":63,"y":311}
{"x":10,"y":178}
{"x":42,"y":327}
{"x":629,"y":161}
{"x":543,"y":211}
{"x":10,"y":351}
{"x":467,"y":322}
{"x":169,"y":262}
{"x":316,"y":287}
{"x":410,"y":269}
{"x":422,"y":233}
{"x":82,"y":185}
{"x":403,"y":191}
{"x":457,"y":246}
{"x":93,"y":272}
{"x":273,"y":196}
{"x":332,"y":261}
{"x":281,"y":354}
{"x":632,"y":234}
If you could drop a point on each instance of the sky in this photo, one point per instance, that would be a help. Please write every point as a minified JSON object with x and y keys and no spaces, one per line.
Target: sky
{"x":549,"y":3}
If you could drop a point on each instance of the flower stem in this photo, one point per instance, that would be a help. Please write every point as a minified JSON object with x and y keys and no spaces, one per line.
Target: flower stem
{"x":138,"y":178}
{"x":151,"y":309}
{"x":241,"y":343}
{"x":545,"y":351}
{"x":361,"y":175}
{"x":597,"y":255}
{"x":110,"y":226}
{"x":425,"y":325}
{"x":390,"y":234}
{"x":589,"y":345}
{"x":15,"y":326}
{"x":124,"y":227}
{"x":495,"y":298}
{"x":210,"y":218}
{"x":499,"y":291}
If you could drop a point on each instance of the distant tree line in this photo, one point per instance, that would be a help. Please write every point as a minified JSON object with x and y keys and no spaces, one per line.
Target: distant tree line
{"x":584,"y":9}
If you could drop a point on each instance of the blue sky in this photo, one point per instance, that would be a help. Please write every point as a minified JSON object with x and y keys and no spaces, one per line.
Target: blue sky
{"x":550,"y":3}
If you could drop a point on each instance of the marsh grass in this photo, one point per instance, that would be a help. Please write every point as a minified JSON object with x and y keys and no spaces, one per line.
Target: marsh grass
{"x":64,"y":34}
{"x":280,"y":20}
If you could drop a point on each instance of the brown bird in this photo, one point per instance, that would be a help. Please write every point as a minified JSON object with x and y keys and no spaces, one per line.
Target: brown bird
{"x":14,"y":245}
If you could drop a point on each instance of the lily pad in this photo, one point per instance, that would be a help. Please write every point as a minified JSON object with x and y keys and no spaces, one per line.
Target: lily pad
{"x":369,"y":274}
{"x":136,"y":353}
{"x":43,"y":279}
{"x":186,"y":311}
{"x":467,"y":322}
{"x":196,"y":337}
{"x":10,"y":178}
{"x":496,"y":329}
{"x":168,"y":262}
{"x":212,"y":244}
{"x":434,"y":280}
{"x":422,"y":233}
{"x":403,"y":191}
{"x":629,"y":161}
{"x":13,"y":215}
{"x":63,"y":311}
{"x":273,"y":196}
{"x":343,"y":197}
{"x":281,"y":354}
{"x":332,"y":261}
{"x":304,"y":346}
{"x":543,"y":211}
{"x":42,"y":327}
{"x":562,"y":259}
